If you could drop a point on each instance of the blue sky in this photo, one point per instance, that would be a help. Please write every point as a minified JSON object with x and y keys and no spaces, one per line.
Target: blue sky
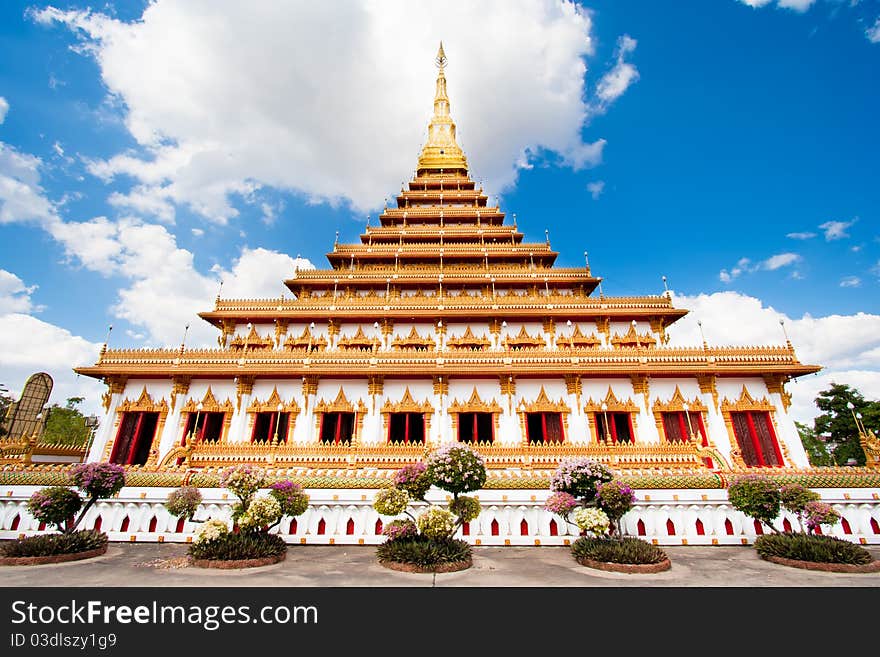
{"x":148,"y":155}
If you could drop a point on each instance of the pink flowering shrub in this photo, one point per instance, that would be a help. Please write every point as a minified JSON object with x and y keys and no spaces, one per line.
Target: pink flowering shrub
{"x":456,"y":469}
{"x":818,"y":513}
{"x":98,"y":480}
{"x":414,"y":479}
{"x":561,"y":504}
{"x":580,"y":477}
{"x":55,"y":505}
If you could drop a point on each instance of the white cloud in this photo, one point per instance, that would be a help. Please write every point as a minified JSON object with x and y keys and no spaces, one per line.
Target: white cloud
{"x":873,"y":32}
{"x":15,"y":296}
{"x":21,"y":197}
{"x":850,"y":281}
{"x":745,"y":265}
{"x":214,"y":122}
{"x":4,"y":108}
{"x":616,"y":81}
{"x":198,"y":232}
{"x":846,"y":346}
{"x":801,"y":236}
{"x":835,"y":230}
{"x":29,"y":345}
{"x":795,"y":5}
{"x":596,"y":188}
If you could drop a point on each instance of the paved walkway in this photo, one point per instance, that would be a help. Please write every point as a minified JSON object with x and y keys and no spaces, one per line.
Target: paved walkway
{"x":155,"y":565}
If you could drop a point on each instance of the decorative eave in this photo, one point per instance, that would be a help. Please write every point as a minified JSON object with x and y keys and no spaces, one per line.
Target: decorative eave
{"x":660,"y":361}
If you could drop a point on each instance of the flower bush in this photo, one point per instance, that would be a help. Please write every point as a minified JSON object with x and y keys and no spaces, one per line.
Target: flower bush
{"x":756,"y":496}
{"x":210,"y":530}
{"x":98,"y":480}
{"x":436,"y":523}
{"x":183,"y":502}
{"x":391,"y":501}
{"x":456,"y":468}
{"x":414,"y":479}
{"x":293,"y":501}
{"x":398,"y":529}
{"x":615,"y":498}
{"x":795,"y":497}
{"x":261,"y":513}
{"x":244,"y":481}
{"x":579,"y":477}
{"x":466,"y":508}
{"x":561,"y":504}
{"x":817,"y":513}
{"x":55,"y":505}
{"x":592,"y":520}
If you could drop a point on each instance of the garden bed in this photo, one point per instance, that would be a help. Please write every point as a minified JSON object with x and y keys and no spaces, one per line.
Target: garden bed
{"x":231,"y":564}
{"x":52,"y":558}
{"x":448,"y":567}
{"x":873,"y":567}
{"x":629,"y":568}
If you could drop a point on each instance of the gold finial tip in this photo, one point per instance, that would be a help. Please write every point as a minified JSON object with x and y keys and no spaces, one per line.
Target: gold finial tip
{"x":441,"y":57}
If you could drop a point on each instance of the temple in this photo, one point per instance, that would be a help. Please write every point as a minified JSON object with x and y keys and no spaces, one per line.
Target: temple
{"x":442,"y":324}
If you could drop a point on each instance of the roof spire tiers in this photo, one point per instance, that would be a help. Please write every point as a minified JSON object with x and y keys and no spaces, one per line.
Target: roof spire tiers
{"x":441,"y":152}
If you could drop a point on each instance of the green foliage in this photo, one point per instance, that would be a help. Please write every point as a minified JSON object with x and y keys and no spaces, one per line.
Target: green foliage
{"x":422,"y":551}
{"x":52,"y":544}
{"x":66,"y":425}
{"x":229,"y":547}
{"x":6,"y":401}
{"x":466,"y":508}
{"x":390,"y":501}
{"x":807,"y":547}
{"x":795,"y":497}
{"x":55,"y":505}
{"x":758,"y":497}
{"x":836,"y":422}
{"x":183,"y":502}
{"x":626,"y":550}
{"x":615,"y":498}
{"x":817,"y":450}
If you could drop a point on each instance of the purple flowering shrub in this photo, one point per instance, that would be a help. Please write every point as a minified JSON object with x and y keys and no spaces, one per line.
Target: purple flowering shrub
{"x":580,"y":477}
{"x":290,"y":496}
{"x":817,"y":513}
{"x":400,"y":528}
{"x":55,"y":505}
{"x":183,"y":502}
{"x":414,"y":479}
{"x":456,"y":469}
{"x":98,"y":480}
{"x":561,"y":504}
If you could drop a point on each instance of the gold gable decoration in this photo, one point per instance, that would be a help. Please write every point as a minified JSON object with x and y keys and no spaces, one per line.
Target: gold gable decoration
{"x":475,"y":405}
{"x":306,"y":340}
{"x":340,"y":405}
{"x":209,"y":404}
{"x":271,"y":405}
{"x":407,"y":405}
{"x":613,"y":404}
{"x":252,"y":340}
{"x":414,"y":341}
{"x":543,"y":404}
{"x":469,"y":341}
{"x":358,"y":342}
{"x":633,"y":339}
{"x":525,"y":341}
{"x":576,"y":339}
{"x":746,"y":403}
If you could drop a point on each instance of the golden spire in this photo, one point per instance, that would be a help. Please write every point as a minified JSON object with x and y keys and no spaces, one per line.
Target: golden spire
{"x":441,"y":151}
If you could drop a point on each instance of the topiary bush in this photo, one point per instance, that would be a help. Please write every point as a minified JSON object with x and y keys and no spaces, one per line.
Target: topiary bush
{"x":48,"y":545}
{"x":626,"y":550}
{"x":580,"y":477}
{"x":756,"y":496}
{"x":232,"y":547}
{"x":55,"y":505}
{"x":423,"y":551}
{"x":807,"y":547}
{"x":183,"y":502}
{"x":456,"y":469}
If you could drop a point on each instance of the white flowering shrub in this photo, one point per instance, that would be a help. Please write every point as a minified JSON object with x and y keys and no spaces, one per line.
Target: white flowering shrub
{"x":210,"y":530}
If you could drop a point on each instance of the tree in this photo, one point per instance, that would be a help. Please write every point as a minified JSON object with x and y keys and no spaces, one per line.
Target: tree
{"x":836,"y":426}
{"x":817,"y":450}
{"x":6,"y":401}
{"x":66,"y":425}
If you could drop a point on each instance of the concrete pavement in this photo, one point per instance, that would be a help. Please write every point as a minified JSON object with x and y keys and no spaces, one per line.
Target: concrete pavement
{"x":161,"y":565}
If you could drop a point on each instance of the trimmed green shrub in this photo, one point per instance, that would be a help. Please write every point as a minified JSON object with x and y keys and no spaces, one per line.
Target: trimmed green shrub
{"x":229,"y":547}
{"x":183,"y":502}
{"x":795,"y":497}
{"x":466,"y":508}
{"x":53,"y":544}
{"x":54,"y":505}
{"x":422,"y":551}
{"x":626,"y":550}
{"x":756,"y":496}
{"x":806,"y":547}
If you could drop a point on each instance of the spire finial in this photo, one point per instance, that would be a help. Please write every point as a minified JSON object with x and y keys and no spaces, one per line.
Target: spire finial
{"x":440,"y":60}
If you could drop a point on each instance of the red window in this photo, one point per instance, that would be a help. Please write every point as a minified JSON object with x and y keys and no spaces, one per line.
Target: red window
{"x":615,"y":427}
{"x":270,"y":425}
{"x":134,"y":438}
{"x":544,"y":427}
{"x":208,"y":427}
{"x":406,"y":428}
{"x":756,"y":438}
{"x":679,"y":426}
{"x":337,"y":427}
{"x":473,"y":427}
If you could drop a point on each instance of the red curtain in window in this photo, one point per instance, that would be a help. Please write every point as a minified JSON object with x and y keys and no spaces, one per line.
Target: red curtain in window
{"x":766,"y":439}
{"x":740,"y":422}
{"x":124,"y":437}
{"x":672,"y":427}
{"x":553,"y":428}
